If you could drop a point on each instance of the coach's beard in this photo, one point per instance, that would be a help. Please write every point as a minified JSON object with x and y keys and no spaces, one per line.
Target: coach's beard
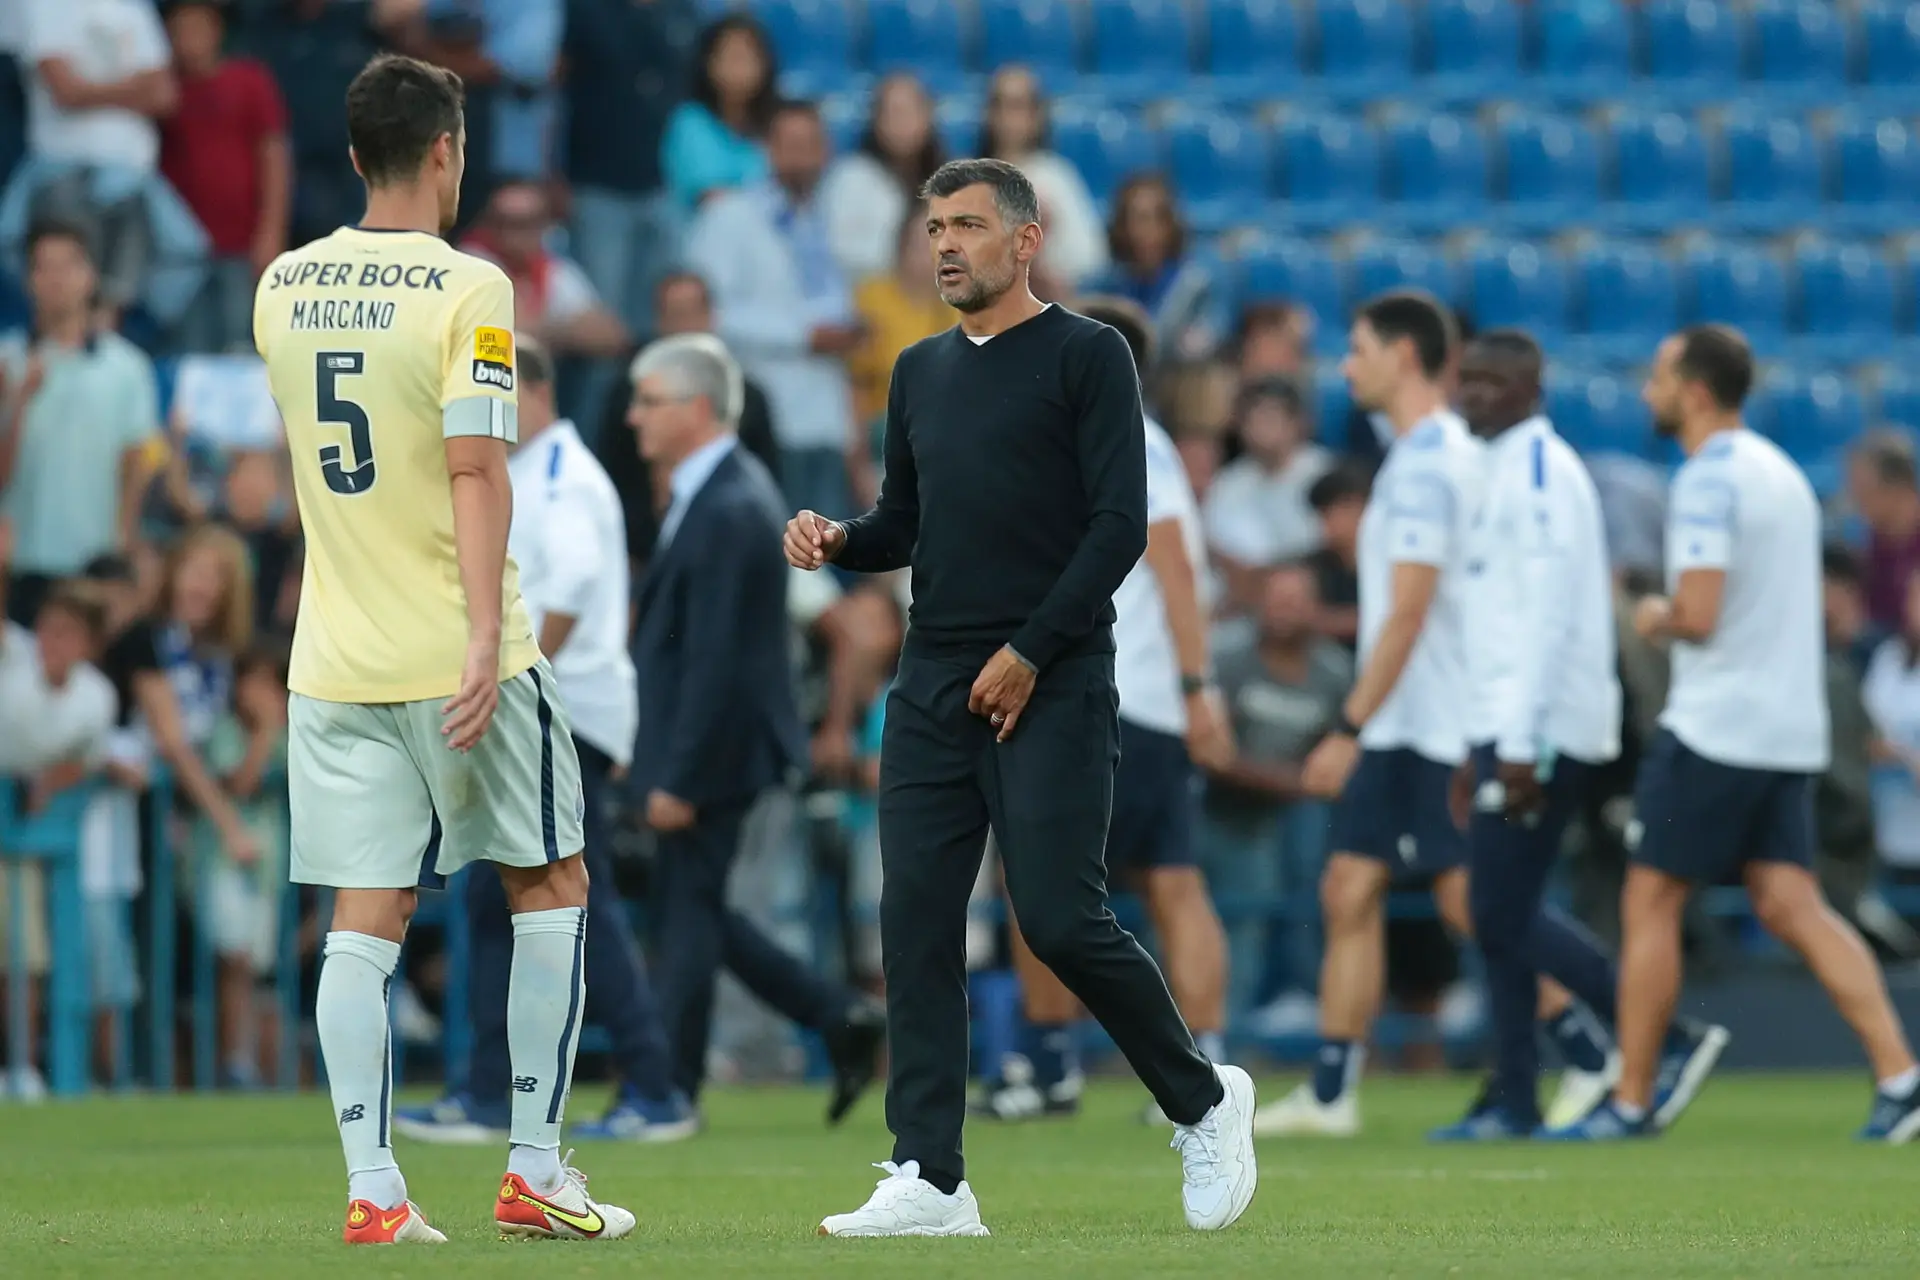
{"x":973,"y":292}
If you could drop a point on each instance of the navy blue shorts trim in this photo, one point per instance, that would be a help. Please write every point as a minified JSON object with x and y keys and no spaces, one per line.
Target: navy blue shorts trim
{"x":1702,"y":821}
{"x":1394,"y":810}
{"x":1156,"y":802}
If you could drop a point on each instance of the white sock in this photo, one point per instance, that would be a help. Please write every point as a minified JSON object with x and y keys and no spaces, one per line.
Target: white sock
{"x":1901,"y":1085}
{"x":351,"y":1014}
{"x":546,"y":1001}
{"x":1213,"y":1044}
{"x":1631,"y":1112}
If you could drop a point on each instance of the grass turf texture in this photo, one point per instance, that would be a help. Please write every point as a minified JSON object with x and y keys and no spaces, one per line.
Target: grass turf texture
{"x":1762,"y":1179}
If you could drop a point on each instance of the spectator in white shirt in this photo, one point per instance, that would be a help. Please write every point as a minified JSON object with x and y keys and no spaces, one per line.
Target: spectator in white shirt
{"x":1390,"y":760}
{"x":1727,"y":786}
{"x":867,"y":194}
{"x":552,"y":297}
{"x":101,"y":81}
{"x":783,"y":307}
{"x":1258,"y":512}
{"x":1015,"y":130}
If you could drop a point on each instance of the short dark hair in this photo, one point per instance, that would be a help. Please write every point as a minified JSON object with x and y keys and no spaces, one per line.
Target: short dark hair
{"x":806,"y":107}
{"x":1718,"y":358}
{"x":1284,"y":392}
{"x":1419,"y":317}
{"x":1838,"y":563}
{"x":1260,"y":315}
{"x":1515,"y":344}
{"x":109,"y":566}
{"x":1013,"y":193}
{"x":1889,"y":455}
{"x":45,"y":229}
{"x":1347,"y":482}
{"x":396,"y":109}
{"x":534,"y":361}
{"x":1130,"y":318}
{"x":683,"y":276}
{"x":705,"y":92}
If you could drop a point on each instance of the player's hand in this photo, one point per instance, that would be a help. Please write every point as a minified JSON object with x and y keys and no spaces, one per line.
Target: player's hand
{"x":1460,"y":790}
{"x":468,"y":713}
{"x":240,"y":845}
{"x":1209,"y":732}
{"x":1651,"y":616}
{"x":1526,"y":798}
{"x":668,"y":812}
{"x":1329,"y":765}
{"x":812,"y":540}
{"x":833,"y":752}
{"x":1001,"y":690}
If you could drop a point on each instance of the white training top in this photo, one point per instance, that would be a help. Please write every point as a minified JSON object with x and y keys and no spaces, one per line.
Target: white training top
{"x":1754,"y":694}
{"x":1892,"y":695}
{"x":1540,"y":628}
{"x":1421,"y":512}
{"x":1145,"y":665}
{"x":569,"y":537}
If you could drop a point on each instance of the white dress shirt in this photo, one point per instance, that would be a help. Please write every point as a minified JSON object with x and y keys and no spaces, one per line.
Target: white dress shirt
{"x":1754,"y":693}
{"x":1540,"y":628}
{"x":1421,"y":512}
{"x":1146,"y":666}
{"x":689,"y":478}
{"x":1892,"y":695}
{"x":41,"y":725}
{"x":569,"y":537}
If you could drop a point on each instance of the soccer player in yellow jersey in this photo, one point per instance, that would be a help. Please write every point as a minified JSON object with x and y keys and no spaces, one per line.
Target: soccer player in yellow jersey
{"x":425,"y":732}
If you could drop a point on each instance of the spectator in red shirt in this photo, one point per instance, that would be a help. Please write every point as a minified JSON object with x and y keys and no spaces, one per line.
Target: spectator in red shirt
{"x":225,"y":151}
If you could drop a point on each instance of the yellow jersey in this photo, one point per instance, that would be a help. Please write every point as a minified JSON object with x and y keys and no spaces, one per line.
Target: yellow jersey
{"x":379,"y":345}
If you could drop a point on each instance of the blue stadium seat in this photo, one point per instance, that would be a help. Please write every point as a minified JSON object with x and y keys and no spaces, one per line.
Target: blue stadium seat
{"x":1473,"y":49}
{"x":1799,"y":50}
{"x":958,"y":120}
{"x":1692,"y":48}
{"x":1738,"y":284}
{"x":1660,"y":173}
{"x":1628,"y":292}
{"x":1329,"y":170}
{"x":1813,"y":417}
{"x":1104,"y":143}
{"x":1142,"y":49}
{"x":1332,"y":403}
{"x":1366,"y":48}
{"x":845,"y":115}
{"x":1770,"y":171}
{"x":921,"y":36}
{"x":1889,"y":45}
{"x":1253,"y":48}
{"x":813,"y":40}
{"x":1040,"y":34}
{"x":1219,"y":166}
{"x":1898,"y":399}
{"x":1300,"y":272}
{"x":1585,"y":49}
{"x":1599,"y":413}
{"x":1876,"y":175}
{"x":1517,"y":284}
{"x":1845,"y":301}
{"x":1551,"y":172}
{"x":1379,"y":265}
{"x":1436,"y":171}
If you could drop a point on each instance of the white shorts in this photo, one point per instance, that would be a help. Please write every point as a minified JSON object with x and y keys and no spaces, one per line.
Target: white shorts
{"x":380,"y":801}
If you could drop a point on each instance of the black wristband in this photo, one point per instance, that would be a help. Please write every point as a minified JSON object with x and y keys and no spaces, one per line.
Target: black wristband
{"x":1190,"y":685}
{"x":1345,"y":727}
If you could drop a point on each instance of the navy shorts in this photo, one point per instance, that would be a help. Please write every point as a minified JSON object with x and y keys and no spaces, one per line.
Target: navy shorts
{"x":1394,"y":809}
{"x":1702,"y":821}
{"x":1156,"y":793}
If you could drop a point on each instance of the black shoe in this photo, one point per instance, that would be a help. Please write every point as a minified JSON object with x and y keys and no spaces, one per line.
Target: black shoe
{"x":853,"y":1050}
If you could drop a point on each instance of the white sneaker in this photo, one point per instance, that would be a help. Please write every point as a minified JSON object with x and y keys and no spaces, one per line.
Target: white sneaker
{"x":1301,"y":1115}
{"x":568,"y":1213}
{"x":27,"y":1085}
{"x":1582,"y":1091}
{"x":1217,"y":1166}
{"x":905,"y":1204}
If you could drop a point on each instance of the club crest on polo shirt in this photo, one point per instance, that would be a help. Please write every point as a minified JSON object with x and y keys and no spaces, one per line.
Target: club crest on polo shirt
{"x":493,"y":357}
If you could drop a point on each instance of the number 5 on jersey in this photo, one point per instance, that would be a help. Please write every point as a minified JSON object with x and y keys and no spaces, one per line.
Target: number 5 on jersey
{"x":344,"y":475}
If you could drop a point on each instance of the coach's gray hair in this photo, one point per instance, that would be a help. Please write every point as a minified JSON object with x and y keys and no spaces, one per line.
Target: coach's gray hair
{"x":697,"y":364}
{"x":1013,"y":194}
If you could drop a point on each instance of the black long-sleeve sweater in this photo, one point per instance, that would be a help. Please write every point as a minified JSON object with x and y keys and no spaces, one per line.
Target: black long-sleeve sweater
{"x":1016,"y":488}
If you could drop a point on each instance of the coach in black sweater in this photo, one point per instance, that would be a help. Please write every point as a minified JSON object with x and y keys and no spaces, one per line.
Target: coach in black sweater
{"x":1016,"y":490}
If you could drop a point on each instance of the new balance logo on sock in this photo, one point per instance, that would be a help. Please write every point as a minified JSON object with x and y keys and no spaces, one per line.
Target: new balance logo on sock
{"x":355,"y":1112}
{"x":526,"y":1084}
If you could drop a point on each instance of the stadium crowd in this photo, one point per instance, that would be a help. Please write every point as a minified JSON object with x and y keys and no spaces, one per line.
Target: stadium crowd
{"x":637,"y":171}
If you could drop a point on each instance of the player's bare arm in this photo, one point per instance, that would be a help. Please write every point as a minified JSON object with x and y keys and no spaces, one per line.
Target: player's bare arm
{"x":482,"y":513}
{"x":1690,"y":614}
{"x":1414,"y":586}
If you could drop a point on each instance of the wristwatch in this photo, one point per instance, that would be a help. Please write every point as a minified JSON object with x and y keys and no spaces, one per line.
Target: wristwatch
{"x":1190,"y":685}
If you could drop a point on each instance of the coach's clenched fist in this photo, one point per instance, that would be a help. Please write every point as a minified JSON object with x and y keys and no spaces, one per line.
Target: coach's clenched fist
{"x":812,"y":540}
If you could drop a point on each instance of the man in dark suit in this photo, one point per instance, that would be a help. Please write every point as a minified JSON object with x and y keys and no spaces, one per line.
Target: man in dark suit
{"x":718,"y":725}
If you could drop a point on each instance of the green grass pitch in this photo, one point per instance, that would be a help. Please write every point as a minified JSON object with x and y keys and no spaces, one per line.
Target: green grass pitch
{"x":1762,"y":1179}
